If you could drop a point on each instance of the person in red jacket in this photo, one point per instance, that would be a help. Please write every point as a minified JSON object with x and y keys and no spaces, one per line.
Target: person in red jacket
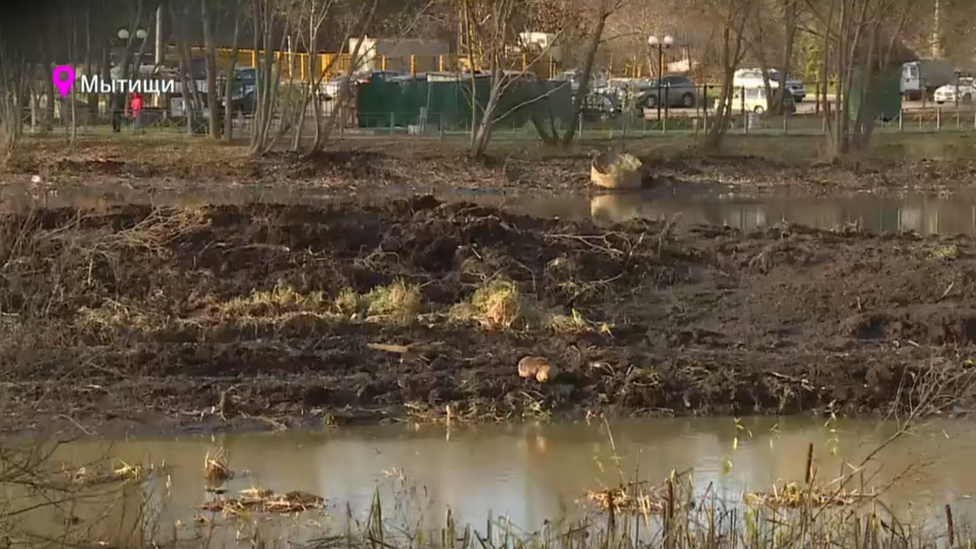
{"x":135,"y":110}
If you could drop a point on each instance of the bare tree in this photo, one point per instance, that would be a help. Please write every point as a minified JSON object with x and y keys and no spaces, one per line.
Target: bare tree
{"x":263,"y":18}
{"x":495,"y":31}
{"x":604,"y":10}
{"x":210,"y":54}
{"x":731,"y":17}
{"x":309,"y":17}
{"x":862,"y":42}
{"x":237,"y":8}
{"x":12,"y":82}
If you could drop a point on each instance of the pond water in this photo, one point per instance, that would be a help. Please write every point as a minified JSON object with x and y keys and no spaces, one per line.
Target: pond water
{"x":534,"y":472}
{"x":686,"y":203}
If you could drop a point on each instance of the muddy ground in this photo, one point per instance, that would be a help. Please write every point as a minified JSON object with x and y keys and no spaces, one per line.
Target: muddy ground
{"x":260,"y":316}
{"x":353,"y":167}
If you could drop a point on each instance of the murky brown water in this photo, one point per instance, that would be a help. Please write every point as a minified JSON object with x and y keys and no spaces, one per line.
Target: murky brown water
{"x":534,"y":472}
{"x":925,"y":213}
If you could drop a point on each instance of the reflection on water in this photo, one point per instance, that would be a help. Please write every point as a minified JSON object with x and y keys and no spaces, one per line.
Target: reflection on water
{"x":918,"y":212}
{"x":688,"y":203}
{"x":536,"y":472}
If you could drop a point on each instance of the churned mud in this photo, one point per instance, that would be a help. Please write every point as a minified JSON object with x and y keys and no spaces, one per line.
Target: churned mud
{"x":284,"y":316}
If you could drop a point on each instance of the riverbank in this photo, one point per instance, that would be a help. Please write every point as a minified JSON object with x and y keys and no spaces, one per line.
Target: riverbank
{"x":357,"y":166}
{"x":263,"y":316}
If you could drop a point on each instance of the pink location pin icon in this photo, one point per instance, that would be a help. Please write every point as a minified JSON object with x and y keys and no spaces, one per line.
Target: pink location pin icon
{"x":64,"y":78}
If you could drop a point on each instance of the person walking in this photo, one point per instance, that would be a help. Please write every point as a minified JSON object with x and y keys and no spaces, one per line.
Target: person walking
{"x":135,"y":109}
{"x":117,"y":101}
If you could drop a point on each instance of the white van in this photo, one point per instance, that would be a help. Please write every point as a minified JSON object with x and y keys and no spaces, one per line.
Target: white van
{"x":753,"y":78}
{"x":756,"y":101}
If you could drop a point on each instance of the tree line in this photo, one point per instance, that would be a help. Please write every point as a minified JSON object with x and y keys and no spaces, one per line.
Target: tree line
{"x":843,"y":45}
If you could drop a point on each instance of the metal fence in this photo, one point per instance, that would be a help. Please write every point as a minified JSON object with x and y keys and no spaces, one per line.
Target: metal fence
{"x":624,"y":114}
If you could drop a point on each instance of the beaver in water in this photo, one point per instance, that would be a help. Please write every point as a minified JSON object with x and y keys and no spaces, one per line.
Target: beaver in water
{"x":536,"y":366}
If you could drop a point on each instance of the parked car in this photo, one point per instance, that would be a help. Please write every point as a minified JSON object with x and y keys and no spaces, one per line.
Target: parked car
{"x":597,"y":81}
{"x":242,"y":100}
{"x":600,"y":106}
{"x":675,"y":91}
{"x":962,"y":91}
{"x":755,"y":100}
{"x":753,"y":78}
{"x":629,"y":92}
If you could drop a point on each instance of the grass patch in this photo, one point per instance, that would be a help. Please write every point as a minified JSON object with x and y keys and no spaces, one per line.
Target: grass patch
{"x":349,"y":302}
{"x":281,"y":299}
{"x":499,"y":305}
{"x":398,"y":300}
{"x":946,"y":253}
{"x":568,"y":324}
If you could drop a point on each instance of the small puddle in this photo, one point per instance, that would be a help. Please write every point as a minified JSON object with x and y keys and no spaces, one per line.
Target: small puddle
{"x":538,"y":472}
{"x":685,"y":203}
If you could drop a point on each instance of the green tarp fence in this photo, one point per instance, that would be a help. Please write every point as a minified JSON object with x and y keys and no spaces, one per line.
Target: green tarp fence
{"x":381,"y":104}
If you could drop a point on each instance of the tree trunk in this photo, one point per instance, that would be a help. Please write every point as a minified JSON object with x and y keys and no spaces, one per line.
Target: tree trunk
{"x":106,"y":75}
{"x":346,"y":86}
{"x":91,"y":101}
{"x":186,"y":75}
{"x":231,"y":68}
{"x":730,"y":62}
{"x":786,"y":69}
{"x":258,"y":75}
{"x":72,"y":53}
{"x":48,"y":97}
{"x":307,"y":93}
{"x":482,"y":136}
{"x":584,"y":84}
{"x":211,"y":68}
{"x":719,"y":127}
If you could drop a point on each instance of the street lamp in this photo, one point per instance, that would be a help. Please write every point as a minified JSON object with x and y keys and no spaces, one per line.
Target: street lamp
{"x":661,"y":46}
{"x":124,"y":34}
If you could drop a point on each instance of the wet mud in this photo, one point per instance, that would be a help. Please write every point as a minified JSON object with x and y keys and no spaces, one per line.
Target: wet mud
{"x":252,"y":317}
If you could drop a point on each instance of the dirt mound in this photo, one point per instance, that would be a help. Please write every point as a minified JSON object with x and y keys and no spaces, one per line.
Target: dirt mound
{"x":235,"y":313}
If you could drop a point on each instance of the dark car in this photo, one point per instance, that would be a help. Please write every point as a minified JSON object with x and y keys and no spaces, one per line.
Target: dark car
{"x":599,"y":106}
{"x":242,"y":101}
{"x":675,"y":91}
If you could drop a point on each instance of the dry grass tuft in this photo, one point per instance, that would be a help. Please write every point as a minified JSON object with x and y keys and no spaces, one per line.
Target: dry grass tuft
{"x":122,"y":472}
{"x":215,"y":467}
{"x":625,"y":499}
{"x":946,"y":253}
{"x":568,"y":324}
{"x":348,"y":302}
{"x":281,"y":299}
{"x":497,"y":304}
{"x":793,"y":495}
{"x":264,"y":501}
{"x":398,"y":301}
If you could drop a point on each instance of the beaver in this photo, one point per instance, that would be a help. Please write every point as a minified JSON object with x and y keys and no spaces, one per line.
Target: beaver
{"x":536,"y":366}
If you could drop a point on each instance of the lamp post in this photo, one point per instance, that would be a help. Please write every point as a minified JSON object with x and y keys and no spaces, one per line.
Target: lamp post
{"x":661,"y":46}
{"x":124,"y":34}
{"x":119,"y":103}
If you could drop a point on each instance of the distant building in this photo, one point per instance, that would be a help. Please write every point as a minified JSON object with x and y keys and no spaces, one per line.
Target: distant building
{"x":540,"y":42}
{"x":397,"y":53}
